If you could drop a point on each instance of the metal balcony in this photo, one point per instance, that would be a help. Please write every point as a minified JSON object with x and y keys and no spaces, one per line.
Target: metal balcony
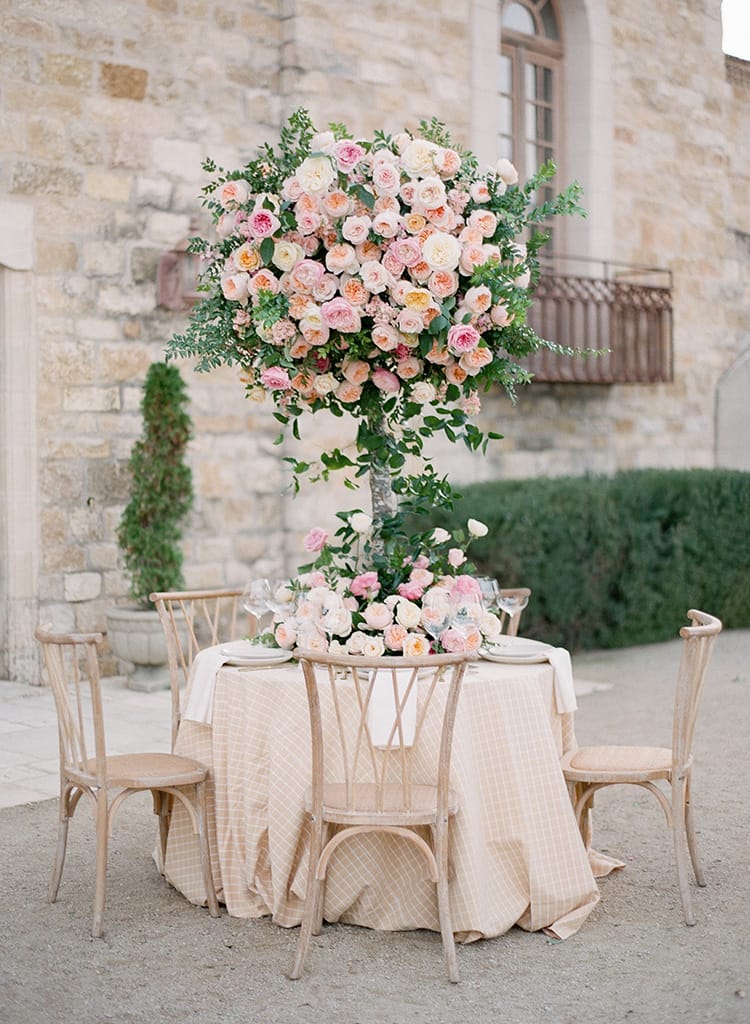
{"x":595,"y":304}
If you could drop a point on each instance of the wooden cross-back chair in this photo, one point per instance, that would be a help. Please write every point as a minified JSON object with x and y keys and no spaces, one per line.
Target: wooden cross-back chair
{"x":590,"y":769}
{"x":371,"y":751}
{"x":107,"y":781}
{"x":510,"y":623}
{"x":193,"y":620}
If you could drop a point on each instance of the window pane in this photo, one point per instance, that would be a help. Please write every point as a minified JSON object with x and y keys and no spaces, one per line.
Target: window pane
{"x":549,"y":21}
{"x":547,"y":93}
{"x":504,"y":75}
{"x":547,"y":119}
{"x":506,"y":115}
{"x":519,"y":18}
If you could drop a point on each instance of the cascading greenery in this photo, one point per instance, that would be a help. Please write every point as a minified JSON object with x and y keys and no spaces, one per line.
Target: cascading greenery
{"x":161,"y":493}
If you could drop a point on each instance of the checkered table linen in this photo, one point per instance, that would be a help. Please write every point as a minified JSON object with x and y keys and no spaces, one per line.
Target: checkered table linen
{"x":516,"y":852}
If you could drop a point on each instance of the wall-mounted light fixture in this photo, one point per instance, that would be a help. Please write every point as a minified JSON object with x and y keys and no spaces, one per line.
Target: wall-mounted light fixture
{"x":177,"y":275}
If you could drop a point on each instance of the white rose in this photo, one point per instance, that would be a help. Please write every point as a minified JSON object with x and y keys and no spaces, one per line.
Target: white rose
{"x":441,"y":251}
{"x":324,"y":384}
{"x":360,"y":522}
{"x":378,"y":615}
{"x":322,"y":142}
{"x":287,"y":255}
{"x":417,"y":158}
{"x":416,"y":645}
{"x":506,"y":171}
{"x":476,"y":528}
{"x":356,"y":642}
{"x":316,"y":174}
{"x":373,"y":647}
{"x":337,"y":621}
{"x":489,"y":625}
{"x":423,"y":392}
{"x":408,"y":613}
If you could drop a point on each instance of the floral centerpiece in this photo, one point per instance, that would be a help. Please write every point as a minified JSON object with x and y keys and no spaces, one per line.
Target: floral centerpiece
{"x":411,"y":605}
{"x":387,"y":279}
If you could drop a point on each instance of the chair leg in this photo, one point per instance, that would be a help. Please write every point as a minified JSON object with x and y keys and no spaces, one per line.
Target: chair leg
{"x":690,"y":830}
{"x":162,"y":808}
{"x":62,"y":845}
{"x":102,"y":841}
{"x":320,"y":897}
{"x":208,"y":880}
{"x":313,"y":902}
{"x":679,"y":836}
{"x":443,"y":901}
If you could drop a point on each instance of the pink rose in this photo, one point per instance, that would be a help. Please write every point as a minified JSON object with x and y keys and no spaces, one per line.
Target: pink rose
{"x":407,"y":251}
{"x":386,"y":179}
{"x":285,"y":635}
{"x":263,"y":223}
{"x":317,"y":579}
{"x":374,"y":276}
{"x":276,"y":378}
{"x":421,"y":576}
{"x":452,"y":641}
{"x":356,"y":229}
{"x":306,"y":276}
{"x":465,"y":586}
{"x":394,"y":636}
{"x":340,"y":315}
{"x":411,"y":590}
{"x":386,"y":381}
{"x":233,"y":194}
{"x":316,"y":539}
{"x":462,"y":338}
{"x":347,"y":154}
{"x":456,"y":557}
{"x":365,"y":585}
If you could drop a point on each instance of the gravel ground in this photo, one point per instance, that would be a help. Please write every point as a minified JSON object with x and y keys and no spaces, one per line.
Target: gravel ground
{"x":634,"y":960}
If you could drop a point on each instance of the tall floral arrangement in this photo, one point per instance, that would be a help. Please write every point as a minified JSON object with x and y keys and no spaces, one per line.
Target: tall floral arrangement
{"x":385,"y":278}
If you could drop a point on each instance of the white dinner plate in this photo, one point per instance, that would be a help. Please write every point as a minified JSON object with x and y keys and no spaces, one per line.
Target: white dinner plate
{"x":242,"y":652}
{"x":515,"y":650}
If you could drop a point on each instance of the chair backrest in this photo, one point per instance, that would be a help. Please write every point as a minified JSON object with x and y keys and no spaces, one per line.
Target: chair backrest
{"x":193,"y":620}
{"x":510,"y":623}
{"x":72,"y":666}
{"x":699,"y":639}
{"x":382,"y":726}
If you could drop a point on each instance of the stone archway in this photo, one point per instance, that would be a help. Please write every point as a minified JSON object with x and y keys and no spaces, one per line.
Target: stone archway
{"x":733,"y":416}
{"x":19,"y":497}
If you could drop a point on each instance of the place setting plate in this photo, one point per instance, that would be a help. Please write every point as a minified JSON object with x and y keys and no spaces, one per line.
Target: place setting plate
{"x":515,"y":650}
{"x":244,"y":653}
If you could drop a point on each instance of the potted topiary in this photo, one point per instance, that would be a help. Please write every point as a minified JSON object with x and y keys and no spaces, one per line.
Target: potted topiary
{"x":150,"y":528}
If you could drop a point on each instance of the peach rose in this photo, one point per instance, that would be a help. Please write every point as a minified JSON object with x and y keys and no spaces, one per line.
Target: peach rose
{"x":409,"y":368}
{"x":418,"y":299}
{"x":353,"y":290}
{"x":447,"y":163}
{"x":475,"y":360}
{"x":455,"y":374}
{"x":305,"y":276}
{"x":479,"y":192}
{"x":484,"y":221}
{"x":443,"y":283}
{"x":386,"y":224}
{"x":235,"y":287}
{"x":336,"y":204}
{"x":385,"y":337}
{"x":356,"y":371}
{"x":415,"y":645}
{"x":438,"y":355}
{"x":478,"y":299}
{"x":348,"y":393}
{"x":414,"y":223}
{"x":233,"y":194}
{"x":393,"y":636}
{"x":341,"y":259}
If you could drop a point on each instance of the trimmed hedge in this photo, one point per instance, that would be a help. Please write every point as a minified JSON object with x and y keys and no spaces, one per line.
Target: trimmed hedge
{"x":616,"y":561}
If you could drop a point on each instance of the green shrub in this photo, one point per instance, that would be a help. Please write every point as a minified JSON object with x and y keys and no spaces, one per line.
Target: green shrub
{"x":161,"y":492}
{"x":616,"y":561}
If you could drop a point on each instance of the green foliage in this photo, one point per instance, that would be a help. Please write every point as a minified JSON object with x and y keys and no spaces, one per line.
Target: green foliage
{"x":617,"y":561}
{"x":161,"y":491}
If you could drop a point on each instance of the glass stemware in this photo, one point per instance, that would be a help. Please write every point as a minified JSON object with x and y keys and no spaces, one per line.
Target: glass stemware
{"x":436,"y":612}
{"x":490,"y":590}
{"x":512,"y":604}
{"x":256,"y":599}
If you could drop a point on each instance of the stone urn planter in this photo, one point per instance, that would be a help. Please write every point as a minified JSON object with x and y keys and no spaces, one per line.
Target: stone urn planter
{"x":136,"y":637}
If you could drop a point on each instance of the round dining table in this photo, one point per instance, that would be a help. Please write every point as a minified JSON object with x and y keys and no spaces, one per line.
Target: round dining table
{"x":516,"y":852}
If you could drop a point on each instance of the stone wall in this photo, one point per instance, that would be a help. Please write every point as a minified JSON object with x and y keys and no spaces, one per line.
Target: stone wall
{"x":106,"y":112}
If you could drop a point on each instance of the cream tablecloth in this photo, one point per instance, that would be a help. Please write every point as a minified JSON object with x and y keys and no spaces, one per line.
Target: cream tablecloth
{"x":516,"y":851}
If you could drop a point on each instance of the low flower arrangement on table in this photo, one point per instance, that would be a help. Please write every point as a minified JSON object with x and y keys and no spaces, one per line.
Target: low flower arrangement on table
{"x":411,"y":604}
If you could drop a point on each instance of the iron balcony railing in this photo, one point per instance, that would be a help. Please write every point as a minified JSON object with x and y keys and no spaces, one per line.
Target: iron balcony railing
{"x":596,"y":304}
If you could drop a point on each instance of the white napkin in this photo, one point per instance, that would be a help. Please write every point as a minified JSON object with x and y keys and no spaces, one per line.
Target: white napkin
{"x":199,"y":696}
{"x":565,"y":695}
{"x":381,"y":711}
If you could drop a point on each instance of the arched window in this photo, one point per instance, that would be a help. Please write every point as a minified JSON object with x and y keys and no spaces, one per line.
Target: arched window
{"x":530,"y":67}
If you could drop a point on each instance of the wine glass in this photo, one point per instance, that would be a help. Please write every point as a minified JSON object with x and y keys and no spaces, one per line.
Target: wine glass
{"x":256,"y":598}
{"x":512,"y":603}
{"x":436,"y":612}
{"x":490,"y":590}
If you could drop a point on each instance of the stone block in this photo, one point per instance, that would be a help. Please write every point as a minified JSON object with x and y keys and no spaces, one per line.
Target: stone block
{"x":28,"y":178}
{"x":109,"y":482}
{"x":96,"y":328}
{"x":59,"y":617}
{"x":103,"y":259}
{"x":123,"y":82}
{"x":57,"y":558}
{"x":91,"y":399}
{"x":47,"y":139}
{"x":66,"y":70}
{"x":167,"y":228}
{"x":130,"y":301}
{"x":124,"y":362}
{"x":143,"y":263}
{"x":115,"y":188}
{"x":82,"y":586}
{"x":155,"y":192}
{"x":57,"y":256}
{"x":177,"y":158}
